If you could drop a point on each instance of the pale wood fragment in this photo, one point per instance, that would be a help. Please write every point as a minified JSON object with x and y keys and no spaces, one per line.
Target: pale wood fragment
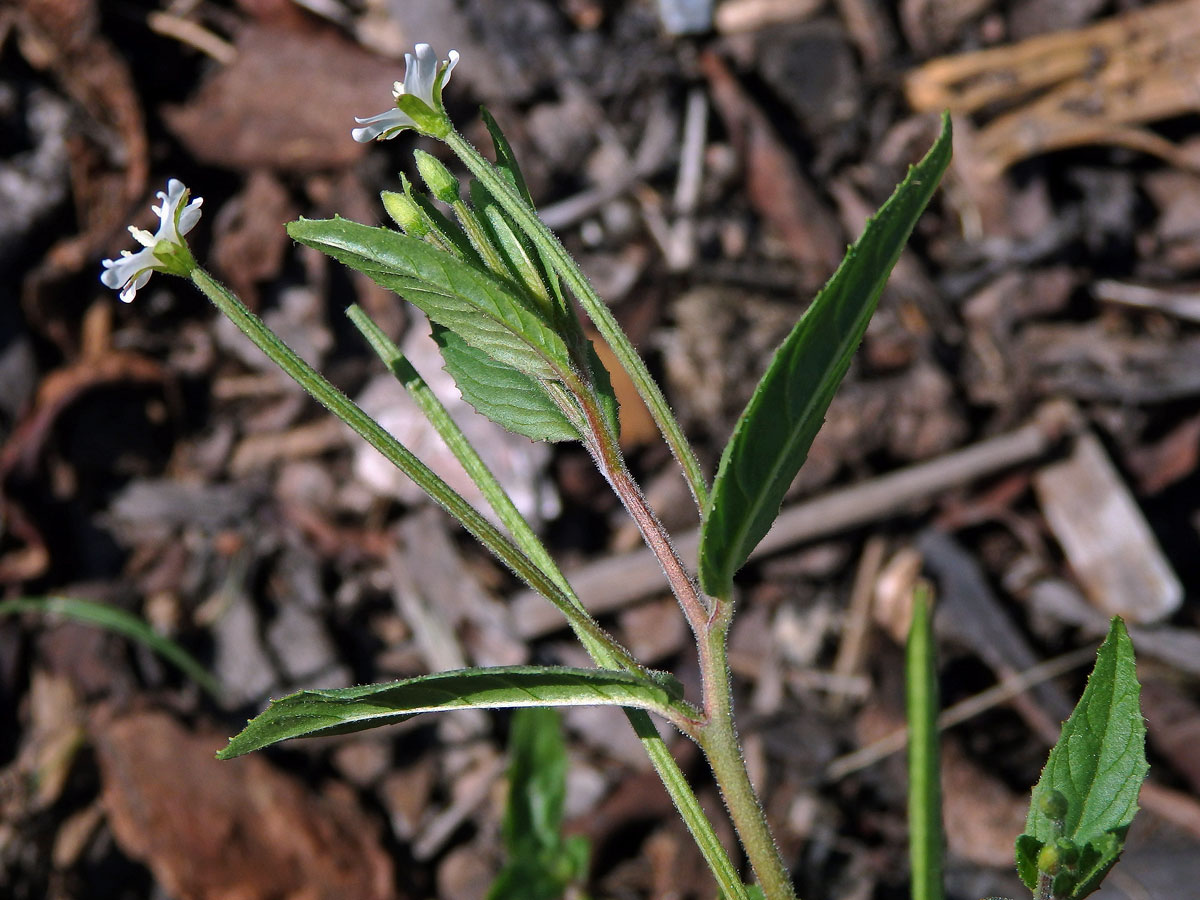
{"x":1095,"y":85}
{"x":733,"y":16}
{"x":1105,"y":537}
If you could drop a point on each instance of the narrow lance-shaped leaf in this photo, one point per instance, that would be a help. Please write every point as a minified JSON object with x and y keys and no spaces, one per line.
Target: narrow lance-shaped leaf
{"x":517,"y":256}
{"x":344,"y":710}
{"x":118,"y":621}
{"x":771,"y":439}
{"x":526,"y":265}
{"x":486,"y":312}
{"x":506,"y":160}
{"x":1087,"y":796}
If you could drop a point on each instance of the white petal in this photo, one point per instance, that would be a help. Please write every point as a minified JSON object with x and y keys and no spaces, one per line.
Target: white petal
{"x":142,"y":236}
{"x":383,"y":126}
{"x":421,"y":73}
{"x":190,"y":215}
{"x":130,"y":290}
{"x":128,"y":272}
{"x":451,"y":62}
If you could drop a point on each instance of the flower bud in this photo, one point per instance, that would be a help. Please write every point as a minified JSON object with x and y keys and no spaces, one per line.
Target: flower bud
{"x":441,"y":184}
{"x":1053,"y":805}
{"x":1049,"y":861}
{"x":1068,"y":853}
{"x":405,"y":213}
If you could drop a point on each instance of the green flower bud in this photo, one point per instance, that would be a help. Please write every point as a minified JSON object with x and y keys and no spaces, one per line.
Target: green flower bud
{"x":441,"y":184}
{"x":1068,"y":853}
{"x":1053,"y":805}
{"x":1049,"y":862}
{"x":405,"y":213}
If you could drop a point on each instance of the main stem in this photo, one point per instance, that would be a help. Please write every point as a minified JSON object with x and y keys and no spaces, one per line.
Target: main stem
{"x":718,"y":737}
{"x":719,"y":741}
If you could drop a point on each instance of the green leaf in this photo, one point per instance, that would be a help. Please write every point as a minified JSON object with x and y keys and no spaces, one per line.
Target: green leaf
{"x":345,"y":710}
{"x":509,"y":398}
{"x":1096,"y":859}
{"x":517,"y":254}
{"x":773,"y":435}
{"x":448,"y":233}
{"x":537,"y":781}
{"x":119,"y":622}
{"x":541,"y":862}
{"x":1097,"y":768}
{"x":489,"y":314}
{"x":506,"y":160}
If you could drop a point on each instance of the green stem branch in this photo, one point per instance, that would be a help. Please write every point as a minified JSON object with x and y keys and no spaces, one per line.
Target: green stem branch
{"x":396,"y":453}
{"x":593,"y":305}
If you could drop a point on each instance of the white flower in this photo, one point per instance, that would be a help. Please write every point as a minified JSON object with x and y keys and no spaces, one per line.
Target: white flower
{"x":130,"y":271}
{"x":424,"y":78}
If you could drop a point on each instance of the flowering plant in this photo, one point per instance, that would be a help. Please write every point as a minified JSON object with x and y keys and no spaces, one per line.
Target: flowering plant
{"x":503,"y":296}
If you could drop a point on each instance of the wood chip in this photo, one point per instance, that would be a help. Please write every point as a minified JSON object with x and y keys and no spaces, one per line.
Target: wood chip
{"x":1105,"y":537}
{"x":266,"y":110}
{"x":1095,"y":85}
{"x":213,"y":830}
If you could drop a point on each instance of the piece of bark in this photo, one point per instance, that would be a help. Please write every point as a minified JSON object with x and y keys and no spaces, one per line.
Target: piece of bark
{"x":1168,"y":460}
{"x":212,"y":830}
{"x":1062,"y":600}
{"x":267,"y":111}
{"x":108,"y":150}
{"x":654,"y":631}
{"x":1096,"y":85}
{"x":733,"y":16}
{"x":250,"y":241}
{"x":1106,"y":539}
{"x":1173,"y":726}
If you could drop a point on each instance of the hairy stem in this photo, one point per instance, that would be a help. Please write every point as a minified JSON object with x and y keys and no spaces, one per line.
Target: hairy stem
{"x":718,"y":740}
